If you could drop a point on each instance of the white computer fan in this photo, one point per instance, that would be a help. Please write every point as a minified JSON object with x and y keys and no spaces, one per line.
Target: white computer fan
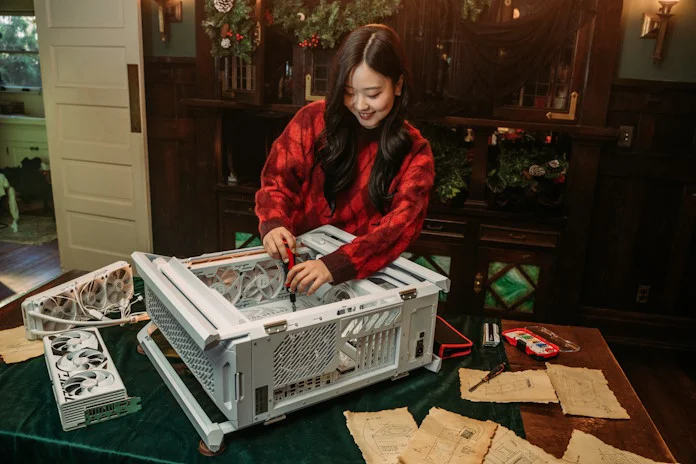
{"x":61,"y":306}
{"x":86,"y":383}
{"x":119,"y":285}
{"x":93,"y":294}
{"x":73,"y":340}
{"x":81,"y":360}
{"x":263,"y":282}
{"x":225,"y":281}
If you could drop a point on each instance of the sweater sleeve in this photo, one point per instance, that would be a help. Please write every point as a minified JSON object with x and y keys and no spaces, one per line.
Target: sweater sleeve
{"x":396,"y":230}
{"x":284,"y":173}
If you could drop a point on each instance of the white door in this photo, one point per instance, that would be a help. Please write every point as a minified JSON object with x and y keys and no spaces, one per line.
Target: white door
{"x":92,"y":72}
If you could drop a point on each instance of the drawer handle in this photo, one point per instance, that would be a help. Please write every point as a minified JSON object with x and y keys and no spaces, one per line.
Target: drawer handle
{"x":517,"y":236}
{"x":251,"y":210}
{"x":34,"y":148}
{"x":430,"y":226}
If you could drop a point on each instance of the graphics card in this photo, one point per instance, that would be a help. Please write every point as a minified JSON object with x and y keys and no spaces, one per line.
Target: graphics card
{"x":98,"y":296}
{"x":85,"y":381}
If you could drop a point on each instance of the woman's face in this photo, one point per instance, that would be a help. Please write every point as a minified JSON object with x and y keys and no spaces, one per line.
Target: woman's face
{"x":369,"y":95}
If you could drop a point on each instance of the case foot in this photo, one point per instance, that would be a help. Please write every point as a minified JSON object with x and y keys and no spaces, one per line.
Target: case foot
{"x":205,"y":451}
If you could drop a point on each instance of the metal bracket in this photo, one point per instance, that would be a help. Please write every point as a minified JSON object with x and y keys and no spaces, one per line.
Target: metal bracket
{"x":308,"y":90}
{"x":570,"y":115}
{"x":408,"y":294}
{"x":276,"y":327}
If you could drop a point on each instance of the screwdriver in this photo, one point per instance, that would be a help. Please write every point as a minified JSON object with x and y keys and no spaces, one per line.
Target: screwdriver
{"x":289,"y":265}
{"x":494,"y":372}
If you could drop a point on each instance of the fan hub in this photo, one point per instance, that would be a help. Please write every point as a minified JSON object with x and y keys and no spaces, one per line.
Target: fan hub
{"x":89,"y":383}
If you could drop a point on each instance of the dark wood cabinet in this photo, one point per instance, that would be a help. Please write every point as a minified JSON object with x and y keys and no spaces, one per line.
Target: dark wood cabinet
{"x":239,"y":226}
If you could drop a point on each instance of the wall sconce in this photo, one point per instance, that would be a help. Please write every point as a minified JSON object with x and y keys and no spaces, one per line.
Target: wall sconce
{"x":168,"y":11}
{"x":655,"y":26}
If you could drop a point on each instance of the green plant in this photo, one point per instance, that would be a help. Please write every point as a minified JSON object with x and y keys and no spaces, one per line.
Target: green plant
{"x":530,"y":168}
{"x":452,"y":161}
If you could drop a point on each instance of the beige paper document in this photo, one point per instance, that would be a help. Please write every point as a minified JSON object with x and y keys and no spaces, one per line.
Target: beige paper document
{"x":448,"y":438}
{"x":508,"y":448}
{"x":531,"y":386}
{"x":14,"y":346}
{"x":588,"y":449}
{"x":585,"y":392}
{"x":383,"y":435}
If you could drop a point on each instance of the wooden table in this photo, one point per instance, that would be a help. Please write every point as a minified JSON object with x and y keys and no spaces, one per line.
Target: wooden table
{"x":544,"y":424}
{"x":547,"y":427}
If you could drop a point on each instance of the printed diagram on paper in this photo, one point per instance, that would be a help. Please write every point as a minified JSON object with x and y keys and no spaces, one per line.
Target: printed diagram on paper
{"x":584,"y":448}
{"x":446,"y":438}
{"x":585,"y":392}
{"x":508,"y":448}
{"x":383,"y":435}
{"x":525,"y":386}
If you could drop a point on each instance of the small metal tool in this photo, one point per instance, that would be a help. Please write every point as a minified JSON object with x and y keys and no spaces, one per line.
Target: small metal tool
{"x":289,"y":265}
{"x":494,"y":372}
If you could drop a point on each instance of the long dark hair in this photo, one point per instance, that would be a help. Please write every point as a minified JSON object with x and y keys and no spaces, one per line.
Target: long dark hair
{"x":336,"y":149}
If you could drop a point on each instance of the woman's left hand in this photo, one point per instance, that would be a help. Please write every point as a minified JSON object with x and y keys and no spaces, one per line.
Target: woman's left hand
{"x":308,"y":276}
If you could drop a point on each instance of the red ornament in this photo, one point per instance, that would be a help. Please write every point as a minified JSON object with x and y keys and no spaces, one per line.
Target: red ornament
{"x":269,"y":17}
{"x":559,"y":180}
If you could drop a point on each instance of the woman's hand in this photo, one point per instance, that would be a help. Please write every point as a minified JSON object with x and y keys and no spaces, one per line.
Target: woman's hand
{"x":310,"y":275}
{"x":273,"y":243}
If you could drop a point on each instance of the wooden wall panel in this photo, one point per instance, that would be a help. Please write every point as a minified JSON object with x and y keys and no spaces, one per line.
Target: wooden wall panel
{"x":644,"y":217}
{"x":181,"y":183}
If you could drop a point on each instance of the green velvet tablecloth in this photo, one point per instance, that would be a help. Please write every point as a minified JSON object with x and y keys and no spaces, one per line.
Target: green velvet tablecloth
{"x":30,"y":429}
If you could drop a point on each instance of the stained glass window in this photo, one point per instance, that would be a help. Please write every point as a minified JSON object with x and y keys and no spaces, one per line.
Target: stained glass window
{"x":246,"y":240}
{"x":511,"y":287}
{"x":439,"y":264}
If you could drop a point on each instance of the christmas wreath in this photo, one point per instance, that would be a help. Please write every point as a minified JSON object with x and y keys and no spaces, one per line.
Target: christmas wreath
{"x":322,"y":23}
{"x":231,"y":28}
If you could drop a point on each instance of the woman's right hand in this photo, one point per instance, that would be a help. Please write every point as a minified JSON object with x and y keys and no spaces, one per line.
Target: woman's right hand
{"x":273,"y":243}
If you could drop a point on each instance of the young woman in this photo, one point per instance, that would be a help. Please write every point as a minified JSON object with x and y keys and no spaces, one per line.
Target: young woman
{"x":351,"y":161}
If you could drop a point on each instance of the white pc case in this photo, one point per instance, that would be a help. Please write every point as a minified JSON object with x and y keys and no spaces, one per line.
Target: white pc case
{"x":230,"y":319}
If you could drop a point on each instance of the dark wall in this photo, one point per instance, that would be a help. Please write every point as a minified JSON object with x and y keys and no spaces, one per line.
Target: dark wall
{"x":642,"y":250}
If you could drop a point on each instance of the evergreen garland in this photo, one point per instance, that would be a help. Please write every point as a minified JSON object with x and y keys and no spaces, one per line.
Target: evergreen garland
{"x":231,"y":32}
{"x":322,"y":23}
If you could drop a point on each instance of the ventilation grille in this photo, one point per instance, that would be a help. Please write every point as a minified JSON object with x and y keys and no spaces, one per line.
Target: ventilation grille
{"x":193,"y":357}
{"x":375,"y":350}
{"x":304,"y":386}
{"x":374,"y":321}
{"x":304,"y":354}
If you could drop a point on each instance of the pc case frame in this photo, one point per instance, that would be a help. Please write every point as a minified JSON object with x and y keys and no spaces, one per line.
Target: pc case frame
{"x":258,"y":370}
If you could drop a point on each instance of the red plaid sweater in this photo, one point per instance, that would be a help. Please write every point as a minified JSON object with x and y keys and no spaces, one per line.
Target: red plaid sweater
{"x":288,"y":197}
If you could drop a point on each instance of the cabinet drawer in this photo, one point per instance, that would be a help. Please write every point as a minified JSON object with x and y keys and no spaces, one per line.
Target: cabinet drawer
{"x":538,"y":238}
{"x":445,"y":229}
{"x":235,"y":205}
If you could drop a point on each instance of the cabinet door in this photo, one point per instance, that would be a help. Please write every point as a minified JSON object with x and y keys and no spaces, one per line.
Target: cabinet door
{"x":311,"y":80}
{"x":556,"y":92}
{"x":6,"y":161}
{"x":512,"y":283}
{"x":239,"y":226}
{"x":20,"y":150}
{"x":441,"y":248}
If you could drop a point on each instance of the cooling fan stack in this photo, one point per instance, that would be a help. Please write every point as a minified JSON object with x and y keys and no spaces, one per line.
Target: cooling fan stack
{"x":91,"y":297}
{"x":243,"y":286}
{"x":85,"y":381}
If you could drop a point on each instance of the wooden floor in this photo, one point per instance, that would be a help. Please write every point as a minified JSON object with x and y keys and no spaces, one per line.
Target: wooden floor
{"x":23,"y":267}
{"x":662,"y":379}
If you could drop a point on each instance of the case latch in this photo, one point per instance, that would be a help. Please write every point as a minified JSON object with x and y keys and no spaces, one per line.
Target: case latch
{"x":276,"y":327}
{"x":408,"y":294}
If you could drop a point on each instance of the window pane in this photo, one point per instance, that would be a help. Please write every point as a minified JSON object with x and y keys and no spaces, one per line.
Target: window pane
{"x":20,"y":70}
{"x":17,"y":35}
